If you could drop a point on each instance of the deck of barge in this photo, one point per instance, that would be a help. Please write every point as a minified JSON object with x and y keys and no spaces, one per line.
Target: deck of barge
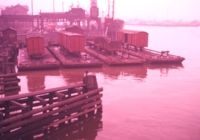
{"x":71,"y":61}
{"x":118,"y":58}
{"x":27,"y":63}
{"x":154,"y":57}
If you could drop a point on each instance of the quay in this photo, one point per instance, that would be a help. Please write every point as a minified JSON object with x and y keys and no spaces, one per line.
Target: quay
{"x":48,"y":109}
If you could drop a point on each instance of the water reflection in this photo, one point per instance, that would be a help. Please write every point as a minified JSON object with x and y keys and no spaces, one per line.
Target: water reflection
{"x":82,"y":129}
{"x":76,"y":75}
{"x":165,"y":68}
{"x":39,"y":80}
{"x":36,"y":79}
{"x":115,"y":72}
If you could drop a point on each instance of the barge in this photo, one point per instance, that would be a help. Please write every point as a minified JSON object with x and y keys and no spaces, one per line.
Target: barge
{"x":135,"y":43}
{"x":155,"y":57}
{"x":114,"y":59}
{"x":27,"y":63}
{"x":68,"y":60}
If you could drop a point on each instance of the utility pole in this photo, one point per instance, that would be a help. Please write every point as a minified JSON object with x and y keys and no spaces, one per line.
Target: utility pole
{"x":113,"y":9}
{"x":32,"y":7}
{"x":63,"y":6}
{"x":32,"y":14}
{"x":108,"y":8}
{"x":53,"y":6}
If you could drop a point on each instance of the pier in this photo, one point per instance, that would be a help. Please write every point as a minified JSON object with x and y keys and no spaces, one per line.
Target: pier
{"x":49,"y":109}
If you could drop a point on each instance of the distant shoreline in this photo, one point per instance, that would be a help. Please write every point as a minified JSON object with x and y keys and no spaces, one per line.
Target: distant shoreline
{"x":166,"y":24}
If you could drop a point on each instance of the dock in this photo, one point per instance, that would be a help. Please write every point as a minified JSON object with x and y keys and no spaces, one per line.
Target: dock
{"x":115,"y":59}
{"x":68,"y":60}
{"x":154,"y":57}
{"x":43,"y":63}
{"x":49,"y":109}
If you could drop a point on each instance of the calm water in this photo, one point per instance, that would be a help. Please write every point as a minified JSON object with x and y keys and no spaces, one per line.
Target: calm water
{"x":142,"y":103}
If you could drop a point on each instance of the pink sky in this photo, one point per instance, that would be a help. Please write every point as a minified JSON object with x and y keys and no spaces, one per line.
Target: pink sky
{"x":142,"y":9}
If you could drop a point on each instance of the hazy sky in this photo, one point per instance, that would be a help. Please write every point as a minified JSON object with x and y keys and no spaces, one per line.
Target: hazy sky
{"x":142,"y":9}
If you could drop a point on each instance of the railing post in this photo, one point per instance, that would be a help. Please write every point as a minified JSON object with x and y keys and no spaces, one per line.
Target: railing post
{"x":90,"y":82}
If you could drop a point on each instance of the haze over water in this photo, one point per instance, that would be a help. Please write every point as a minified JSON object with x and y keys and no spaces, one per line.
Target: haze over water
{"x":157,"y":102}
{"x":186,"y":10}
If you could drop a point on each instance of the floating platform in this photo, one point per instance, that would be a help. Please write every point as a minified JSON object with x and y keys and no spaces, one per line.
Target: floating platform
{"x":114,"y":59}
{"x":27,"y":63}
{"x":154,"y":57}
{"x":68,"y":60}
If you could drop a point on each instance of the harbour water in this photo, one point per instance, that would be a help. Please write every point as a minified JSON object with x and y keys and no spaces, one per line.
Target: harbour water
{"x":158,"y":102}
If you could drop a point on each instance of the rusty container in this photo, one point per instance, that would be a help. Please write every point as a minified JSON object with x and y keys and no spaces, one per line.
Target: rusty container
{"x":139,"y":39}
{"x":73,"y":42}
{"x":120,"y":36}
{"x":35,"y":45}
{"x":135,"y":38}
{"x":9,"y":35}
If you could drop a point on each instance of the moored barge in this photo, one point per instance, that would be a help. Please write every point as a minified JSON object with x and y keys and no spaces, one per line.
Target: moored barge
{"x":69,"y":60}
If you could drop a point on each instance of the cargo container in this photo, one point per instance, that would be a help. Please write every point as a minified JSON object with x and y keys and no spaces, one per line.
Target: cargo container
{"x":72,"y":42}
{"x":135,"y":38}
{"x":139,"y":39}
{"x":120,"y":36}
{"x":9,"y":35}
{"x":35,"y":45}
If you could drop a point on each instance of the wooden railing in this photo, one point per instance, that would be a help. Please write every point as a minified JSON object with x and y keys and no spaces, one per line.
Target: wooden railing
{"x":49,"y":108}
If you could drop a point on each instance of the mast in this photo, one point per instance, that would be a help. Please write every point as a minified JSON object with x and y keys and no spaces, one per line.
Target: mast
{"x":108,"y":9}
{"x":32,"y":6}
{"x":113,"y":9}
{"x":53,"y":6}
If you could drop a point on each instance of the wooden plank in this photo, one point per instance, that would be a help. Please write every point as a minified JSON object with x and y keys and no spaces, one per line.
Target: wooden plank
{"x":15,"y":97}
{"x":1,"y":114}
{"x":40,"y":99}
{"x":11,"y":88}
{"x":92,"y":104}
{"x":18,"y":104}
{"x":74,"y":116}
{"x":39,"y":117}
{"x":60,"y":95}
{"x":61,"y":103}
{"x":8,"y":75}
{"x":9,"y":82}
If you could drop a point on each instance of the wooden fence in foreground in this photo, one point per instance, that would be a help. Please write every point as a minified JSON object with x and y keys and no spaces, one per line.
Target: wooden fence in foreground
{"x":50,"y":108}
